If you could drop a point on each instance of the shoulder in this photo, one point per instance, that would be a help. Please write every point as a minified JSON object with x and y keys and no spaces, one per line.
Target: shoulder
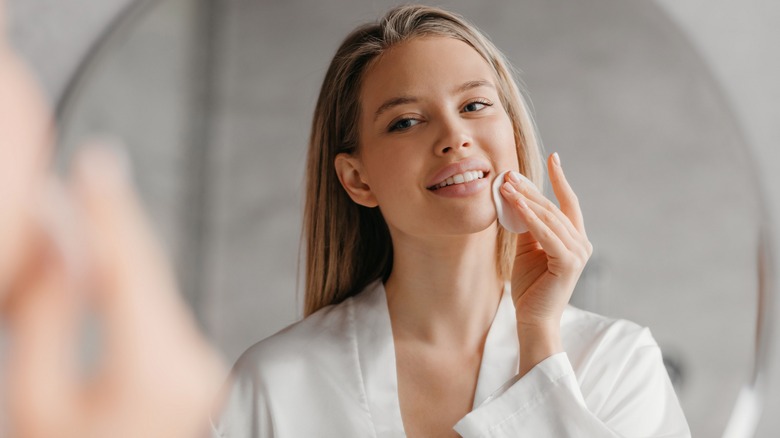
{"x":273,"y":375}
{"x":320,"y":345}
{"x":319,"y":336}
{"x":300,"y":369}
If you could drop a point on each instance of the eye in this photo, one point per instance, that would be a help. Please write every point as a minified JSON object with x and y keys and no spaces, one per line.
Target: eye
{"x":475,"y":105}
{"x":402,"y":124}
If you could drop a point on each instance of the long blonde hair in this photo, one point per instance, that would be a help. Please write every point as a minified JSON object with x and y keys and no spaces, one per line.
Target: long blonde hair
{"x":348,"y":245}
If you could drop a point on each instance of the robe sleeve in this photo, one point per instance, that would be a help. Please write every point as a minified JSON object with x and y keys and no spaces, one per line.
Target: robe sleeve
{"x":633,"y":397}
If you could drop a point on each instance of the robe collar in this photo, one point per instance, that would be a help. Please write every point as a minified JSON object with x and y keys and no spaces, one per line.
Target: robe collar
{"x":376,"y":356}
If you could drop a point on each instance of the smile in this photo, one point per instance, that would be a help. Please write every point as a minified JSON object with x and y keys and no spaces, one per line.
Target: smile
{"x":460,"y":178}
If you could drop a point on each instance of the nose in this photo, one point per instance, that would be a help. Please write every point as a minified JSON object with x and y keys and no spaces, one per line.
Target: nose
{"x":453,"y":135}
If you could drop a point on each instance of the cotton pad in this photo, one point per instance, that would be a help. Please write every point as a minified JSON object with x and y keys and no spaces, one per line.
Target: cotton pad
{"x":507,"y":216}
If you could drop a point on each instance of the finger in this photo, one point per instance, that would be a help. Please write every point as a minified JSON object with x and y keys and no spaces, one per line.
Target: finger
{"x":547,"y":238}
{"x":25,"y":132}
{"x":570,"y":205}
{"x":134,"y":285}
{"x":42,"y":318}
{"x":553,"y":222}
{"x":536,"y":196}
{"x":526,"y":243}
{"x":152,"y":343}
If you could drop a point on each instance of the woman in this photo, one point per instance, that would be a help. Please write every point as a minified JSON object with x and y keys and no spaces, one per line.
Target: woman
{"x":426,"y":317}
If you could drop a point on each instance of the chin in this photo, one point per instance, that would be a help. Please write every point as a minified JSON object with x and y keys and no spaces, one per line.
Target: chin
{"x":466,"y":224}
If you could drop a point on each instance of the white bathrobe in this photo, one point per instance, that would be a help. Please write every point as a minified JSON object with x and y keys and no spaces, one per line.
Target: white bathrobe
{"x":333,"y":374}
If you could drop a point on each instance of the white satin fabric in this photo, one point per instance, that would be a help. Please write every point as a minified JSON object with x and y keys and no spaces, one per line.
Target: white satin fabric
{"x":333,"y":374}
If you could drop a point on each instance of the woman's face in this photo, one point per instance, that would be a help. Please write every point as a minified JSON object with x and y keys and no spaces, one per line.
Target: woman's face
{"x":430,"y":111}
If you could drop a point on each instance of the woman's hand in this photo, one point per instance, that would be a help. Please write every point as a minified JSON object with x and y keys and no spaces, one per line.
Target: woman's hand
{"x":549,"y":260}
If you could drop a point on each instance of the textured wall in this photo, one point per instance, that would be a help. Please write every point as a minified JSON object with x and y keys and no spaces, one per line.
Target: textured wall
{"x":55,"y":35}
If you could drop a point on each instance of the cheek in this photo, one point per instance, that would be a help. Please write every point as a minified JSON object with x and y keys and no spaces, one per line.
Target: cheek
{"x":393,"y":175}
{"x":501,"y":139}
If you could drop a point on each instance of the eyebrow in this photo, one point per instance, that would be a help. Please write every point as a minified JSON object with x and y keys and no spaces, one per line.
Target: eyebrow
{"x":402,"y":100}
{"x":473,"y":84}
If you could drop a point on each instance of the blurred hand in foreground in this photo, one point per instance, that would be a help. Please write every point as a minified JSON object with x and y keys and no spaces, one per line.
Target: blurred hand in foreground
{"x":66,"y":247}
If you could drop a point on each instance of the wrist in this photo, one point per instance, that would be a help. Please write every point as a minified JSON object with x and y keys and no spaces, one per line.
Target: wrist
{"x":537,"y":343}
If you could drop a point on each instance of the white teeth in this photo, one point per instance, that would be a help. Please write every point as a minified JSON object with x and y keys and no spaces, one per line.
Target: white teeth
{"x":461,"y":178}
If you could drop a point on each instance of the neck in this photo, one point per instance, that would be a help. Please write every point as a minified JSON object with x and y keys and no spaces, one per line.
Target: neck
{"x":444,"y":291}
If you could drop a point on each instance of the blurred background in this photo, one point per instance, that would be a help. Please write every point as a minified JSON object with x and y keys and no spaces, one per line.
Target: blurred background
{"x":664,"y":114}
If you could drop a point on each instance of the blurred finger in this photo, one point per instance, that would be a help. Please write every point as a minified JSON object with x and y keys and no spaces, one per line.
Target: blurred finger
{"x":42,"y":318}
{"x":134,"y":284}
{"x":155,"y":355}
{"x":25,"y":132}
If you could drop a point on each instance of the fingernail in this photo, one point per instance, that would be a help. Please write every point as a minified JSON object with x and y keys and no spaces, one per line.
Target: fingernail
{"x":508,"y":187}
{"x":514,"y":176}
{"x":557,"y":159}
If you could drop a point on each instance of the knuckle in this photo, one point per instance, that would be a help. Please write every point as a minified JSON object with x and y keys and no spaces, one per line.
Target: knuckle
{"x":572,"y":264}
{"x":549,"y":205}
{"x":547,"y":234}
{"x":547,"y":216}
{"x":584,"y":250}
{"x":583,"y":261}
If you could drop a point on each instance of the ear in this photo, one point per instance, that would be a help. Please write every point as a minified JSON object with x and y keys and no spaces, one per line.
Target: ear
{"x":352,"y":177}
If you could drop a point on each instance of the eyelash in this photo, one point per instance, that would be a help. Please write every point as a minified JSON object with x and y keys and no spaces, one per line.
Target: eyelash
{"x":394,"y":126}
{"x":482,"y":101}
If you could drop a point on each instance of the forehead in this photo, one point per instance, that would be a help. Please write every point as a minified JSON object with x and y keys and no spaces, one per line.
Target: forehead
{"x":422,"y":65}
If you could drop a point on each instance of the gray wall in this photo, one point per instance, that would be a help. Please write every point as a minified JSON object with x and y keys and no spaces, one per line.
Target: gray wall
{"x":733,"y":41}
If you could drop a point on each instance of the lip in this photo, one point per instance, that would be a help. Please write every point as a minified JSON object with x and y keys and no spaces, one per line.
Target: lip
{"x":462,"y":166}
{"x":463,"y":190}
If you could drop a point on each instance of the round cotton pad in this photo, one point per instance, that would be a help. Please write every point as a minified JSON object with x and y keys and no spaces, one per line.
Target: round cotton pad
{"x":507,"y":216}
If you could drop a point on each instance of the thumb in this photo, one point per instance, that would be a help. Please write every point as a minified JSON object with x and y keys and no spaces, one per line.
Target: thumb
{"x":135,"y":290}
{"x":152,"y":341}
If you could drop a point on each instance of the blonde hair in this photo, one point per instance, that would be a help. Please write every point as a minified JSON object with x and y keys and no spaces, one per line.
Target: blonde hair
{"x":348,"y":245}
